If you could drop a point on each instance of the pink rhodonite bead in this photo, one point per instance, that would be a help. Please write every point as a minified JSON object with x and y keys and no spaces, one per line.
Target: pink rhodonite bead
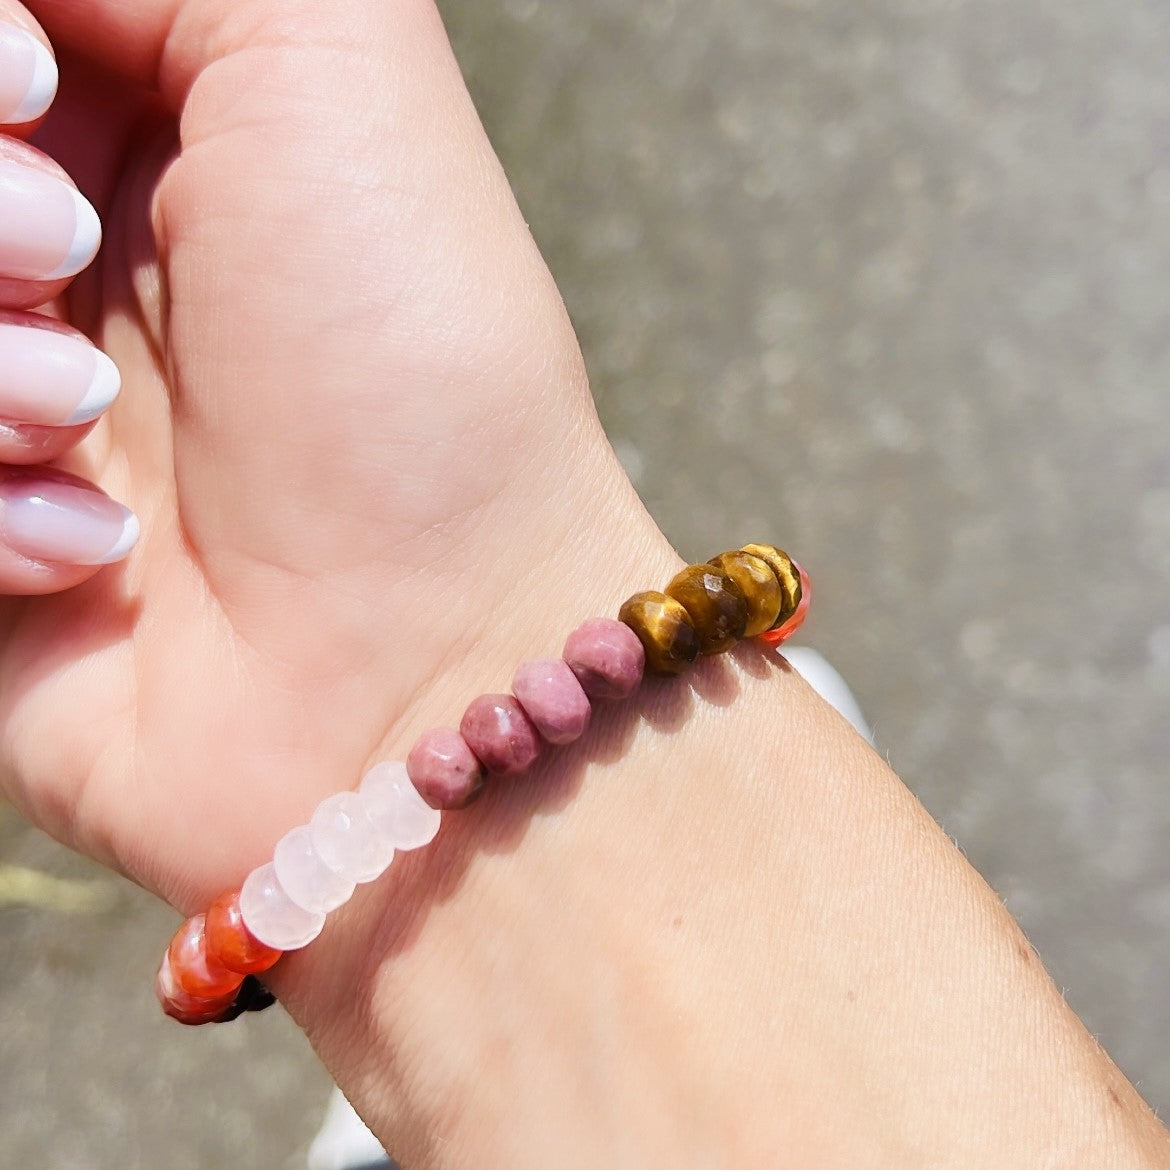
{"x":552,"y":698}
{"x":500,"y":734}
{"x":607,"y":657}
{"x":444,"y":769}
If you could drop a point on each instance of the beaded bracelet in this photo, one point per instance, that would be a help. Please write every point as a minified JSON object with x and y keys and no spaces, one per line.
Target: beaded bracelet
{"x":208,"y":973}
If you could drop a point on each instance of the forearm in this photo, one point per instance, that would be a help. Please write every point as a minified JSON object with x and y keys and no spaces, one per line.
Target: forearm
{"x":718,"y":932}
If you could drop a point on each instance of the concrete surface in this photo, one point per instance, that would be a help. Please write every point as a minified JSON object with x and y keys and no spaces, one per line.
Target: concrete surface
{"x":888,"y":283}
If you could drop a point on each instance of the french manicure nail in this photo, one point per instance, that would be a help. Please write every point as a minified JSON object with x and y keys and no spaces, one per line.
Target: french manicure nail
{"x":53,"y":379}
{"x":48,"y":229}
{"x":28,"y":76}
{"x":63,"y":523}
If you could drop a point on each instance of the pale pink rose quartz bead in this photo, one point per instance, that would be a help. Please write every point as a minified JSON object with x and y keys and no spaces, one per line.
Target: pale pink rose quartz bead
{"x":272,"y":916}
{"x":396,"y":807}
{"x":552,"y":698}
{"x":503,"y":738}
{"x":346,"y":839}
{"x":305,"y":877}
{"x":351,"y":838}
{"x":607,"y":658}
{"x":444,"y":769}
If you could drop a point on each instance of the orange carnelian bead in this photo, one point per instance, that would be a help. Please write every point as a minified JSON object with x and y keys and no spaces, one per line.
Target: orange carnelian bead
{"x":194,"y":970}
{"x":230,"y":943}
{"x":789,"y":627}
{"x":187,"y":1009}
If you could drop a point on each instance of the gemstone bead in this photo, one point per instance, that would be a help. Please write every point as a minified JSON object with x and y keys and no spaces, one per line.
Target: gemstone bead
{"x":444,"y":769}
{"x":230,"y":942}
{"x":396,"y":809}
{"x":552,"y":698}
{"x":187,"y":1009}
{"x":757,"y":583}
{"x":272,"y":916}
{"x":787,"y":574}
{"x":607,"y":658}
{"x":665,"y":630}
{"x":787,"y":628}
{"x":307,"y":880}
{"x":715,"y":603}
{"x":345,"y":838}
{"x":501,"y":735}
{"x":196,"y":972}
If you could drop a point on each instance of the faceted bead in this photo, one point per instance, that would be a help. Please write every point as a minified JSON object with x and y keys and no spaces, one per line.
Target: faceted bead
{"x":193,"y":969}
{"x":307,"y":880}
{"x":272,"y":916}
{"x":786,"y":573}
{"x":607,"y":658}
{"x":396,"y":808}
{"x":187,"y":1009}
{"x":444,"y":769}
{"x":345,"y":838}
{"x":665,"y":630}
{"x":230,"y":942}
{"x":552,"y":698}
{"x":758,"y":585}
{"x":787,"y":628}
{"x":715,"y":603}
{"x":500,"y":734}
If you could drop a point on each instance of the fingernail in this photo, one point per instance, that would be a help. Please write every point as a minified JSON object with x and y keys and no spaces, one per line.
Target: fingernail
{"x":28,"y":76}
{"x":51,"y":378}
{"x":48,"y":229}
{"x":49,"y":520}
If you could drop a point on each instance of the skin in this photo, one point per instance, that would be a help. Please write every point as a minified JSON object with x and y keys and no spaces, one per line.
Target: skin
{"x":357,"y":429}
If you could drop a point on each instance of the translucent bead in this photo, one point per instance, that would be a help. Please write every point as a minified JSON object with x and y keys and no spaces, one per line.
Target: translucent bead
{"x":394,"y":805}
{"x":307,"y":880}
{"x":230,"y":942}
{"x":196,"y":972}
{"x":345,"y":838}
{"x":272,"y":916}
{"x":187,"y":1009}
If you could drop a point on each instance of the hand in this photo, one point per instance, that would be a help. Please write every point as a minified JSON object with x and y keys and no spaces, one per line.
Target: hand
{"x":354,"y":424}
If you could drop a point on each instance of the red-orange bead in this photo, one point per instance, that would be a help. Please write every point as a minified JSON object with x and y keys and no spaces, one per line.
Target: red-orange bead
{"x":194,"y":970}
{"x":230,"y":943}
{"x":187,"y":1009}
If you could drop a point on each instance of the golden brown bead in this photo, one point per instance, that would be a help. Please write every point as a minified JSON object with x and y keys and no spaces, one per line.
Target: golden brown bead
{"x":786,"y":573}
{"x":759,"y":586}
{"x":665,"y":630}
{"x":715,"y":603}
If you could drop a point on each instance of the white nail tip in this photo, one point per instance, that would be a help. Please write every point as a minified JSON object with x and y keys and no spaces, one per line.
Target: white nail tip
{"x":131,"y":530}
{"x":87,"y":238}
{"x":103,"y":389}
{"x":41,"y":90}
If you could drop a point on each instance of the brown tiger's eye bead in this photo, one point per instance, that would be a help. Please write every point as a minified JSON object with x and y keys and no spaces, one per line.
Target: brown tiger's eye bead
{"x":665,"y":630}
{"x":716,"y":605}
{"x":759,"y":586}
{"x":786,"y":573}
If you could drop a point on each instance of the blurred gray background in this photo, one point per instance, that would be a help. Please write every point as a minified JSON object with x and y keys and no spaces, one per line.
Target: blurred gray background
{"x":886,"y":282}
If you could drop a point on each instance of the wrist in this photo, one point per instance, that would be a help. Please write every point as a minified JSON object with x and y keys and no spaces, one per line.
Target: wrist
{"x":718,"y":926}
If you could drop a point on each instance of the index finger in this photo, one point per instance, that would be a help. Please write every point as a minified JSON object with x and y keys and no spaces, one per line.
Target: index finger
{"x":28,"y":70}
